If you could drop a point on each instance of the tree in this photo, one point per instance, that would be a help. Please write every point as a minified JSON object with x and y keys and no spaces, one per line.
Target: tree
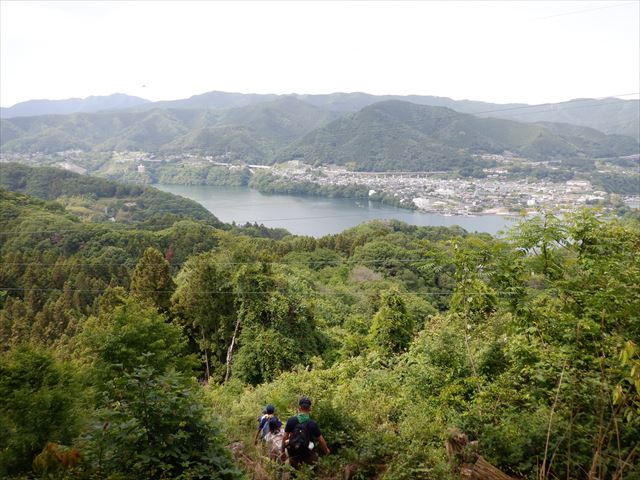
{"x":392,"y":326}
{"x":132,"y":335}
{"x":204,"y":303}
{"x":151,"y":280}
{"x":155,"y":425}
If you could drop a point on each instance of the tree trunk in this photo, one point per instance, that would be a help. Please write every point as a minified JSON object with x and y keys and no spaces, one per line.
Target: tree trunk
{"x":483,"y":470}
{"x":467,"y":462}
{"x":230,"y":351}
{"x":206,"y":356}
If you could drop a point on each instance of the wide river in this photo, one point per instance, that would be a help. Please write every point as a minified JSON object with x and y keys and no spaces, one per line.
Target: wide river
{"x":317,"y":216}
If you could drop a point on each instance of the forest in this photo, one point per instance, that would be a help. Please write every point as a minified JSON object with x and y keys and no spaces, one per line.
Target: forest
{"x":145,"y":348}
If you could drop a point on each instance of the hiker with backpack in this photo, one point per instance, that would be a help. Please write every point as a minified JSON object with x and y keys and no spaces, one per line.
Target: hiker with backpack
{"x":263,"y":422}
{"x":274,"y":440}
{"x":300,"y":435}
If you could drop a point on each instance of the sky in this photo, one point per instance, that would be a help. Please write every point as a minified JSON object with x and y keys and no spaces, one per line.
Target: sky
{"x":503,"y":51}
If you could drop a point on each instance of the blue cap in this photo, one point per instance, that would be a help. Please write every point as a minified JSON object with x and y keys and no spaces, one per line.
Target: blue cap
{"x":269,"y":409}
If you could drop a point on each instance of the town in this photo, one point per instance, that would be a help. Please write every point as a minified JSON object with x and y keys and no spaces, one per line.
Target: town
{"x":499,"y":193}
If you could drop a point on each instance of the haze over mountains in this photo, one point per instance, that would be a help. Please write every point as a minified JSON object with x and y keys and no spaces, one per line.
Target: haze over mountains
{"x":610,"y":115}
{"x":117,"y":101}
{"x":367,"y":132}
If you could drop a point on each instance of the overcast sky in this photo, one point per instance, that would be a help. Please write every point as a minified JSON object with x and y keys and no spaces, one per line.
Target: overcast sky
{"x":492,"y":51}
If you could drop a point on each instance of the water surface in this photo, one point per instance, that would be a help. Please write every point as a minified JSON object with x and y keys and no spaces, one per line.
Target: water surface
{"x":317,"y":216}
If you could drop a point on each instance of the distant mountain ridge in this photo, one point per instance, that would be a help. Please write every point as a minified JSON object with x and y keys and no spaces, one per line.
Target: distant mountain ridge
{"x":609,"y":115}
{"x":116,"y":101}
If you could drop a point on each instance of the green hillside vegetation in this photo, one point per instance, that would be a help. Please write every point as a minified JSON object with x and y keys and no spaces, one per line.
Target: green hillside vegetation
{"x":396,"y":135}
{"x":97,"y":199}
{"x":251,"y":134}
{"x":528,"y":343}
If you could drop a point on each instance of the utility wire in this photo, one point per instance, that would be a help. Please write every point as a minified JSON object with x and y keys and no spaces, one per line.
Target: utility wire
{"x":255,"y":262}
{"x":575,"y":12}
{"x":147,"y":228}
{"x":261,"y":292}
{"x":559,"y":106}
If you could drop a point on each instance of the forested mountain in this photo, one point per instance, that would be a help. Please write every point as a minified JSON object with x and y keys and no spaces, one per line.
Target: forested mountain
{"x":396,"y":135}
{"x":97,"y":199}
{"x":252,"y":134}
{"x":399,"y":334}
{"x":391,"y":135}
{"x":117,"y":101}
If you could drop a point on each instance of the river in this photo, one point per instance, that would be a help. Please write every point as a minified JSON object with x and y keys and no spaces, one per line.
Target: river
{"x":317,"y":216}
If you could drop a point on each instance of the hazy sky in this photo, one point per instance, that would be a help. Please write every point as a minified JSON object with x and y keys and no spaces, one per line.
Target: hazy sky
{"x":493,"y":51}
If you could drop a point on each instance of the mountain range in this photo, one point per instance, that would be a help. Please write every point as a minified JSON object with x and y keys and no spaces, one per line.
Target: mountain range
{"x":389,"y":134}
{"x":609,"y":115}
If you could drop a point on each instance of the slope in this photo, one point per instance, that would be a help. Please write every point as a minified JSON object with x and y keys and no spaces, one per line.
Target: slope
{"x":396,"y":135}
{"x":97,"y":199}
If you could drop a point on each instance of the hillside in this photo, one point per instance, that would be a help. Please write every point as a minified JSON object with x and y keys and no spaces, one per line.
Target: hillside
{"x":117,"y":101}
{"x":396,"y":135}
{"x":252,"y":134}
{"x":100,"y":200}
{"x":127,"y":343}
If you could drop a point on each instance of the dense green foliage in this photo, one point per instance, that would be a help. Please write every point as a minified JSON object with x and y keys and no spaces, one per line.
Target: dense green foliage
{"x":269,"y":183}
{"x":101,"y":200}
{"x":622,"y":184}
{"x":529,"y":343}
{"x":219,"y":176}
{"x":39,"y":401}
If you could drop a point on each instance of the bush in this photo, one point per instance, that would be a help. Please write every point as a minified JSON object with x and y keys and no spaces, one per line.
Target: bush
{"x":156,"y":426}
{"x":39,"y":400}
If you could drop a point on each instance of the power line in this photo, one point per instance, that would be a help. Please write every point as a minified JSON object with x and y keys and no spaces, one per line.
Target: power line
{"x":107,"y":227}
{"x":575,"y":12}
{"x":230,"y":292}
{"x":255,"y":262}
{"x":559,"y":106}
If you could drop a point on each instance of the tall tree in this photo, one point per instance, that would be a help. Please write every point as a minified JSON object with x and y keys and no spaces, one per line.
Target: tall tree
{"x":392,"y":326}
{"x":151,"y":280}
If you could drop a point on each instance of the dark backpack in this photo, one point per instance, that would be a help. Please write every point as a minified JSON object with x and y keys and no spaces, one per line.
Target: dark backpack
{"x":271,"y":419}
{"x":299,"y":440}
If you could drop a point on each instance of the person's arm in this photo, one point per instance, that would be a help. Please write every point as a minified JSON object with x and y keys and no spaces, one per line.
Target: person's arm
{"x":323,"y":445}
{"x":285,"y":440}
